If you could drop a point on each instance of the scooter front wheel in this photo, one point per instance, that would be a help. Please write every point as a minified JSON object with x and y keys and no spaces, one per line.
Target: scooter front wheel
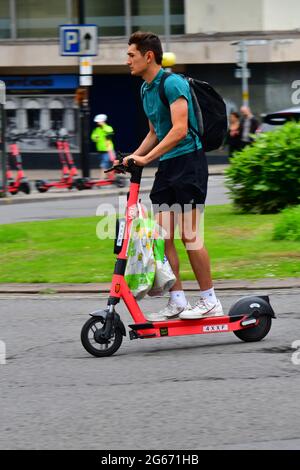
{"x":94,"y":344}
{"x":25,"y":187}
{"x":13,"y":191}
{"x":257,"y":332}
{"x":41,"y":186}
{"x":82,"y":183}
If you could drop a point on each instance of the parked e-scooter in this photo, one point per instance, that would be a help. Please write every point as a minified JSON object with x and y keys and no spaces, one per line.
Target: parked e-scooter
{"x":69,"y":173}
{"x":250,"y":318}
{"x":20,"y":182}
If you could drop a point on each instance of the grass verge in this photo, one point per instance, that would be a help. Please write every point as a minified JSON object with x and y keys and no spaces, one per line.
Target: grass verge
{"x":241,"y":246}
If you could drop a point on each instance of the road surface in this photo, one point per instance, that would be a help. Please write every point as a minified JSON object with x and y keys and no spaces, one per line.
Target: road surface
{"x":192,"y":392}
{"x":84,"y":206}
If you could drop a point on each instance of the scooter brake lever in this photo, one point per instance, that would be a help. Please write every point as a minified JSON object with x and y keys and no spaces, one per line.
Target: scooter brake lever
{"x":117,"y":168}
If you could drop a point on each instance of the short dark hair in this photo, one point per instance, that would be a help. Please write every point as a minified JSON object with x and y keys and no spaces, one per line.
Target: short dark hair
{"x":147,"y":41}
{"x":235,"y":114}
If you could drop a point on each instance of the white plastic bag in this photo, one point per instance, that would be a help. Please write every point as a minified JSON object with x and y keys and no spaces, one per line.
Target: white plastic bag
{"x":164,"y":277}
{"x":140,"y":267}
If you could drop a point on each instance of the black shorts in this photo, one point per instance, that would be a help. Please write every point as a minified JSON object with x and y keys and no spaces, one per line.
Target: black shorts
{"x":181,"y":181}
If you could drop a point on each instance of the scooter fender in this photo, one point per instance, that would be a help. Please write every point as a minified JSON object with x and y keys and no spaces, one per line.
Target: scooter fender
{"x":252,"y":306}
{"x":103,"y":314}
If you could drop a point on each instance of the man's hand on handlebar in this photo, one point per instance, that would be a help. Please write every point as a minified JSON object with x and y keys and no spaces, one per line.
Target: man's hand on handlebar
{"x":137,"y":160}
{"x":127,"y":163}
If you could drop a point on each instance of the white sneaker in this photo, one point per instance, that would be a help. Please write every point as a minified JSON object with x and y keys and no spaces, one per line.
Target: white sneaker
{"x":170,"y":312}
{"x":202,"y":309}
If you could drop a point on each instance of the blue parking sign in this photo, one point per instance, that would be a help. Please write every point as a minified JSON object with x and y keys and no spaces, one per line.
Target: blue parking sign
{"x":78,"y":40}
{"x":71,"y":40}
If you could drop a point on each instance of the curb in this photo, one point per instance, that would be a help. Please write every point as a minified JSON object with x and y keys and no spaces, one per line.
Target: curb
{"x":78,"y":195}
{"x":188,"y":286}
{"x":56,"y":197}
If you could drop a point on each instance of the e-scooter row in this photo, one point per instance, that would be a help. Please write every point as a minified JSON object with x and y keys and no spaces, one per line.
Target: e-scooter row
{"x":250,"y":318}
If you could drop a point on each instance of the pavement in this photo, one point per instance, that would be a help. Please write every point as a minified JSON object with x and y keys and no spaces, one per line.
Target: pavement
{"x":55,"y":193}
{"x":147,"y":172}
{"x":188,"y":286}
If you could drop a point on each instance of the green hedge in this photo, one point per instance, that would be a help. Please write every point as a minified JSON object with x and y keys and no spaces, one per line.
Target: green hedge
{"x":288,"y":227}
{"x":265,"y":176}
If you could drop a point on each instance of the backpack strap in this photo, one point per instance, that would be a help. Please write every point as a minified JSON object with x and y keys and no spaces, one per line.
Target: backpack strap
{"x":161,"y":89}
{"x":163,"y":98}
{"x":142,"y":91}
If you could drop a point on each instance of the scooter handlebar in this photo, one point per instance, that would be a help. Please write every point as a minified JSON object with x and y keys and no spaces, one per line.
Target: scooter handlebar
{"x":120,"y":168}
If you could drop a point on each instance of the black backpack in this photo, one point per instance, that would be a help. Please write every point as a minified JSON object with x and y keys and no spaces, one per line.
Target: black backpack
{"x":210,"y":111}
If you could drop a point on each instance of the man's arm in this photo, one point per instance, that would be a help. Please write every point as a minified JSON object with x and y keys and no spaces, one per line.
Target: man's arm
{"x":95,"y":135}
{"x":149,"y":142}
{"x":178,"y":131}
{"x":108,"y":131}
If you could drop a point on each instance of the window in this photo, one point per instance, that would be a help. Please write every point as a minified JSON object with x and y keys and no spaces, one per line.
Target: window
{"x":4,"y":19}
{"x":108,"y":15}
{"x":149,"y":15}
{"x":33,"y":116}
{"x":56,"y":118}
{"x":177,"y":16}
{"x":40,"y":18}
{"x":11,"y":119}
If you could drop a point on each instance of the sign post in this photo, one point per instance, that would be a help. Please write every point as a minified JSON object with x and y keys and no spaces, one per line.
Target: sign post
{"x":243,"y":71}
{"x":82,"y":40}
{"x":2,"y":141}
{"x":242,"y":62}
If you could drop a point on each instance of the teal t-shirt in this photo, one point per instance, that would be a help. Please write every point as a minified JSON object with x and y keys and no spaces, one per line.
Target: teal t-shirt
{"x":159,"y":115}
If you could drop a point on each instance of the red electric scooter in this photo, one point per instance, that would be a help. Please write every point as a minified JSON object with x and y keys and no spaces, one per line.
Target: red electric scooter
{"x":113,"y":178}
{"x":21,"y":183}
{"x":249,"y":318}
{"x":69,"y":173}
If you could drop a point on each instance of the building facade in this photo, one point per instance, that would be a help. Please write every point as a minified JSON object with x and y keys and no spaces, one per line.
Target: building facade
{"x":41,"y":83}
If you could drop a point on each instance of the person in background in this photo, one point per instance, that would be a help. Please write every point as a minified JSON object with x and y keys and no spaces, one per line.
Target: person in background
{"x":233,"y":139}
{"x":249,"y":125}
{"x":102,"y":136}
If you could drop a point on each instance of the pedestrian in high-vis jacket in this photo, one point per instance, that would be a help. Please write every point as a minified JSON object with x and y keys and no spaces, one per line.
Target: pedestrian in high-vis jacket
{"x":102,"y":136}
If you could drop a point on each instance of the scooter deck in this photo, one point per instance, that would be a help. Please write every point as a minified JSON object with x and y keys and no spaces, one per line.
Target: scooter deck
{"x":187,"y":327}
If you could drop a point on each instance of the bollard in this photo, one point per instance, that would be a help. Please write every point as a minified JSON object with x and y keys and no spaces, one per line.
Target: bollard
{"x":2,"y":353}
{"x":2,"y":141}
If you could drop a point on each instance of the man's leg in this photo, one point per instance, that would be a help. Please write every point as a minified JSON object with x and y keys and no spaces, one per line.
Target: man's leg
{"x":105,"y":164}
{"x":167,"y":221}
{"x":177,"y":302}
{"x":191,"y":231}
{"x":101,"y":166}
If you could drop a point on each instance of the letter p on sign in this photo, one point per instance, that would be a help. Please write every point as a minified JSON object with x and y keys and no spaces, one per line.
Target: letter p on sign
{"x":72,"y":40}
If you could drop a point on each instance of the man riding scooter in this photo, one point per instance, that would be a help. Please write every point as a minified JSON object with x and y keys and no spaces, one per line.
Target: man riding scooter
{"x":182,"y":174}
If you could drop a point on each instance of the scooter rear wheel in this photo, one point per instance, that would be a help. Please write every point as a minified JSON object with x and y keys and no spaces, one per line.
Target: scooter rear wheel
{"x":96,"y":346}
{"x":257,"y":332}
